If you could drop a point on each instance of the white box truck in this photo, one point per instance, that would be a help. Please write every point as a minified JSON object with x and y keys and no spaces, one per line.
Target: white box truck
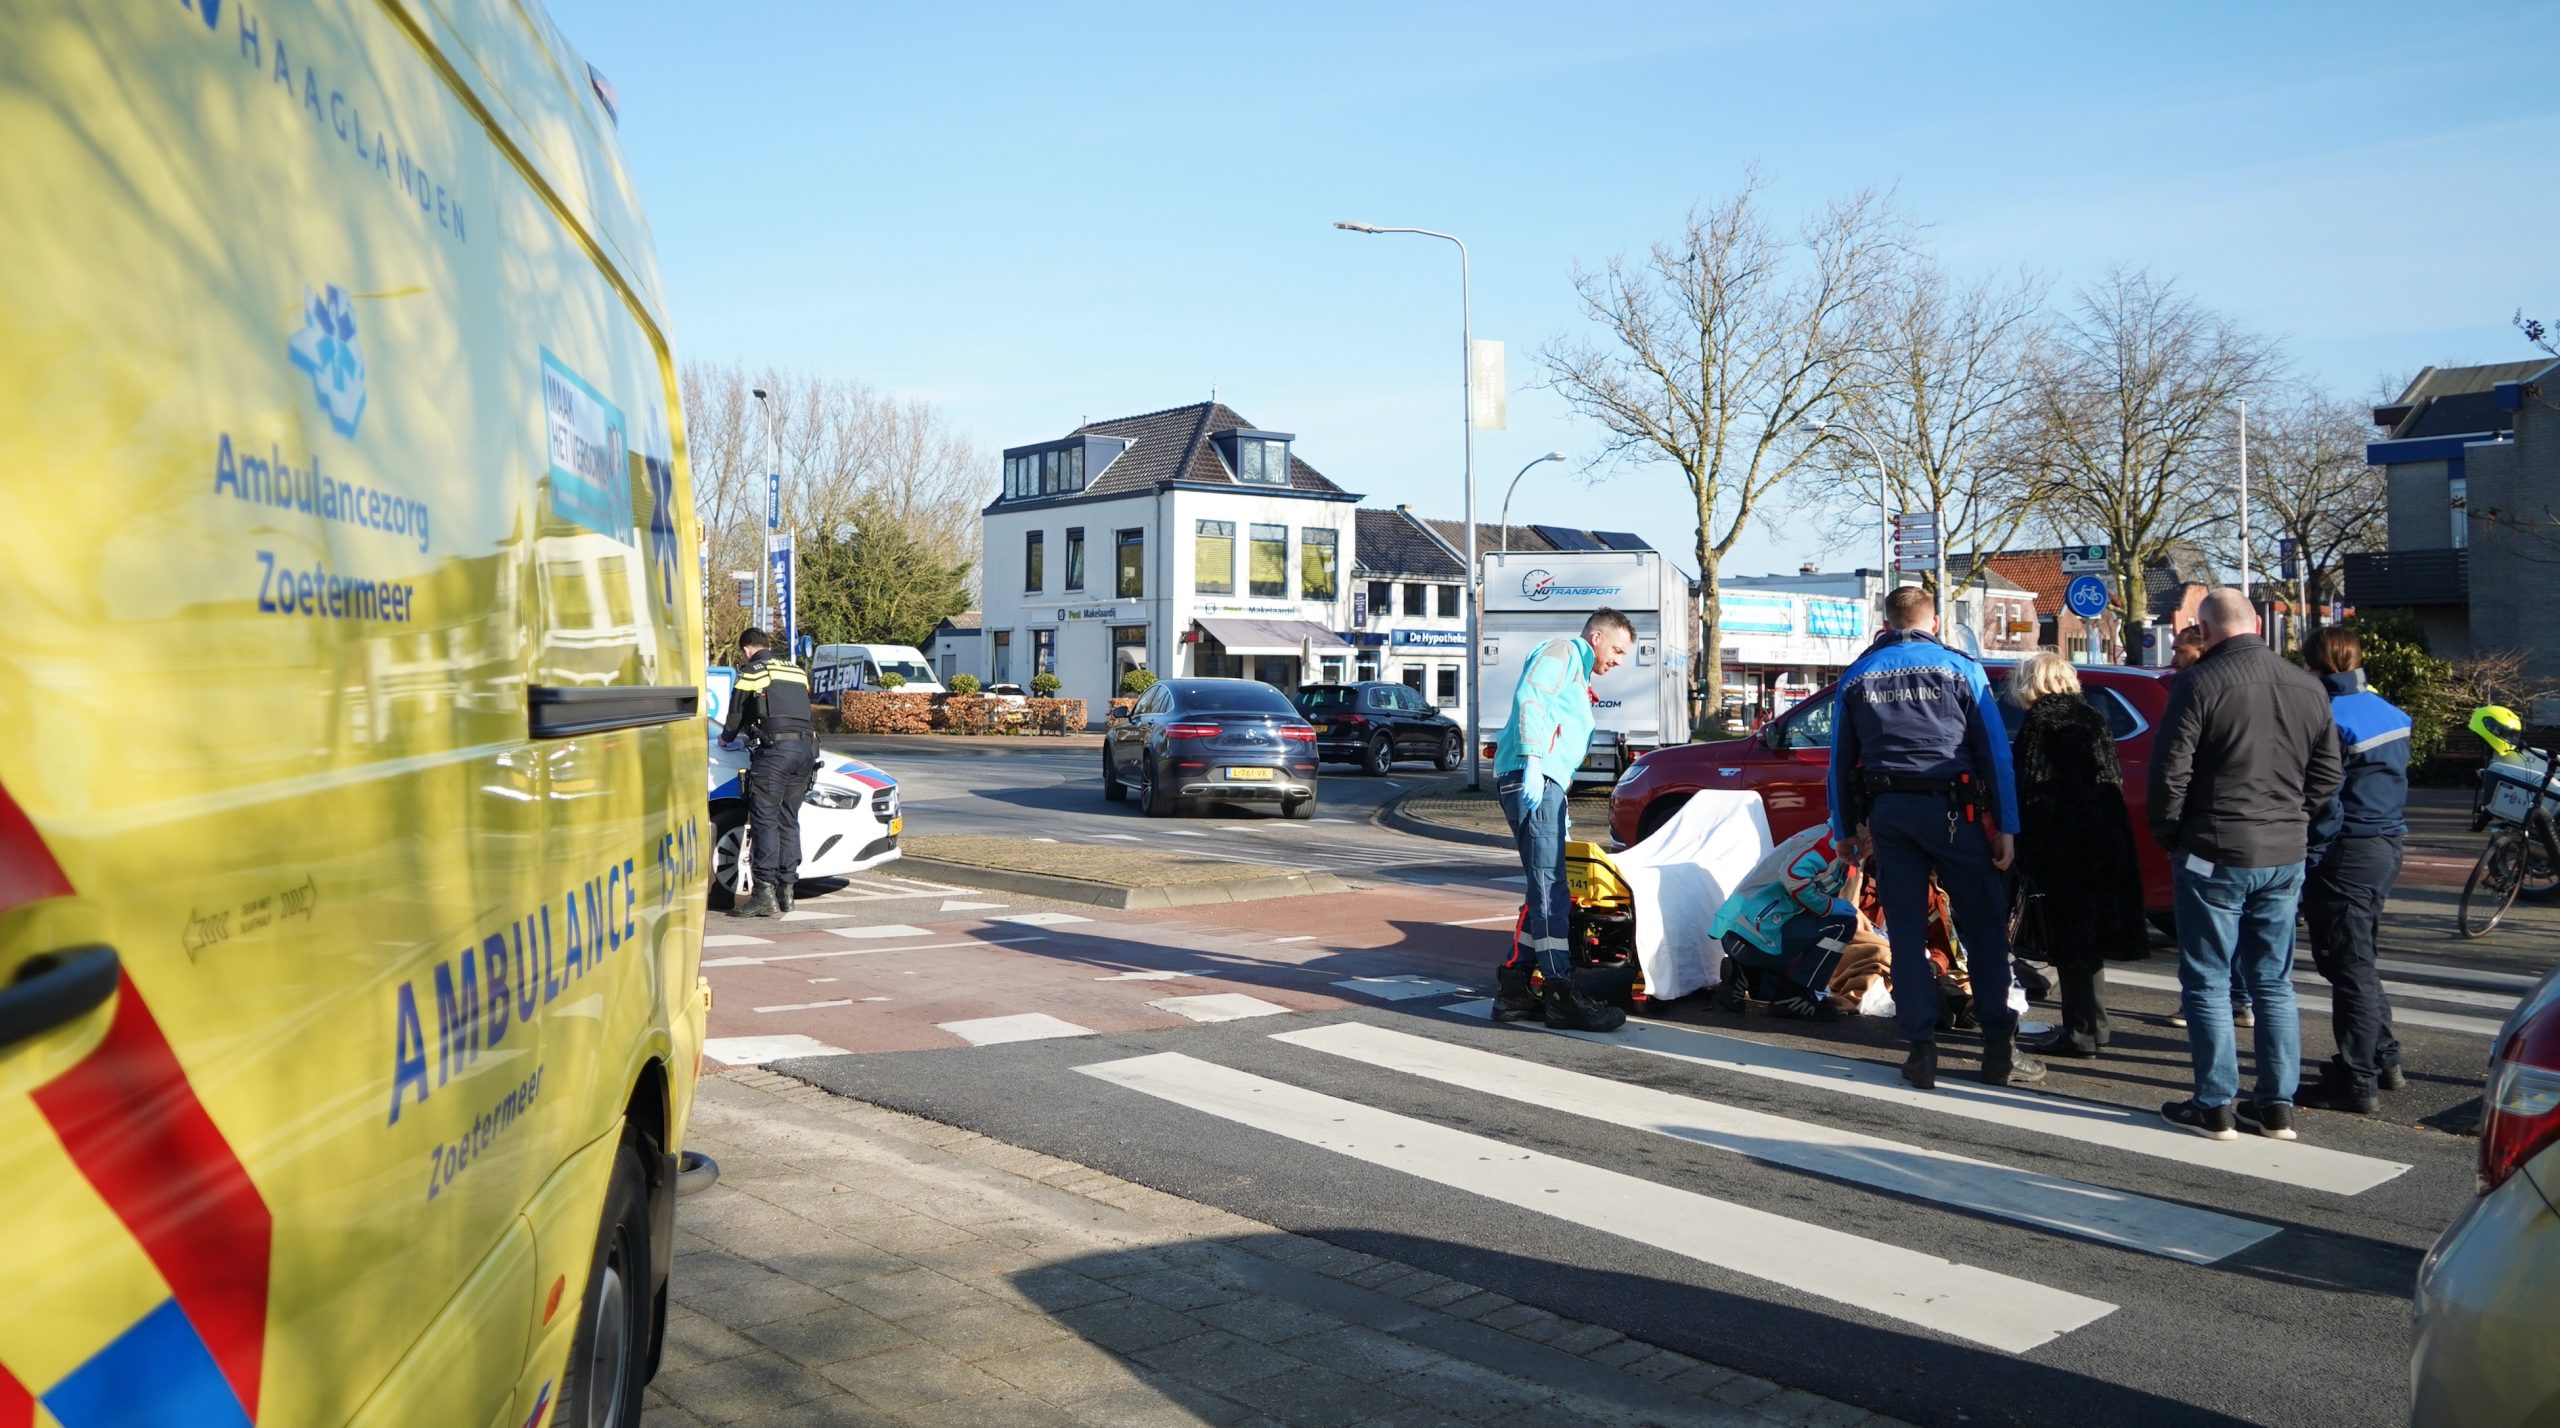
{"x":1533,"y":597}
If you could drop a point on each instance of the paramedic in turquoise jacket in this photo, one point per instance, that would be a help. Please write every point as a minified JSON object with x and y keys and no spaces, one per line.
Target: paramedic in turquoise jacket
{"x":2355,"y":858}
{"x":1543,"y":742}
{"x":1920,"y":778}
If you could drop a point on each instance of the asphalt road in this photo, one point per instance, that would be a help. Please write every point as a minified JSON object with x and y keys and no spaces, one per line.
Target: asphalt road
{"x":1748,"y":1191}
{"x":1028,"y":789}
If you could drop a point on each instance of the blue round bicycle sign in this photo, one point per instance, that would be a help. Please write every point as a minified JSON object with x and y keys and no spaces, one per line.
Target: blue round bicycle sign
{"x":2086,"y":596}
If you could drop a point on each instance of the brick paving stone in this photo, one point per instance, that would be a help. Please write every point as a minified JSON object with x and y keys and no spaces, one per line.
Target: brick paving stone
{"x":1128,"y":1325}
{"x":1479,"y":1305}
{"x":981,"y":1331}
{"x":715,"y":1272}
{"x":1177,"y":1289}
{"x":1584,"y":1338}
{"x":840,"y":1410}
{"x":1413,"y":1282}
{"x":1421,"y":1415}
{"x":1742,"y":1390}
{"x":1377,"y":1273}
{"x":829,"y":1260}
{"x":1364,"y":1354}
{"x":907,"y":1293}
{"x":738,"y":1388}
{"x":1267,"y":1320}
{"x":1155,"y":1401}
{"x":1618,"y":1355}
{"x":1317,"y":1398}
{"x":1053,"y":1288}
{"x":912,"y":1233}
{"x":659,"y":1413}
{"x":1796,"y":1408}
{"x":1702,"y":1381}
{"x":1061,"y":1370}
{"x":1663,"y":1366}
{"x":779,"y":1297}
{"x":912,"y":1377}
{"x":1120,"y":1264}
{"x":692,"y":1341}
{"x":832,"y":1336}
{"x":1216,"y":1360}
{"x":1469,"y":1391}
{"x":1011,"y":1410}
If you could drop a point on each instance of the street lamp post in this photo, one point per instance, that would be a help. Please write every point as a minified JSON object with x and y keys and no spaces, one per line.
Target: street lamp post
{"x":1467,"y":414}
{"x":1884,"y":499}
{"x":1504,"y":535}
{"x":772,"y":520}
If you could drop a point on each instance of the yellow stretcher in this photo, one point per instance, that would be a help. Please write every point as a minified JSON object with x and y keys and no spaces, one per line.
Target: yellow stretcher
{"x":1604,"y":927}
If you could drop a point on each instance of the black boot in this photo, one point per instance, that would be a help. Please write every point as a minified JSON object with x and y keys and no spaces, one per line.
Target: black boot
{"x":782,"y":894}
{"x":1920,"y":1068}
{"x":1569,"y":1008}
{"x":1513,"y":1000}
{"x":762,"y":904}
{"x":2002,"y":1063}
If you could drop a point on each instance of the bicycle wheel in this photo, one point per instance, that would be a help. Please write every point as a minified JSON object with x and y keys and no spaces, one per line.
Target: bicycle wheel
{"x":2492,"y":887}
{"x":2541,"y":875}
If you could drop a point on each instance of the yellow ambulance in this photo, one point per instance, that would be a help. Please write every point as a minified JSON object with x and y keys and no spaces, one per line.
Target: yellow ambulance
{"x":352,"y":843}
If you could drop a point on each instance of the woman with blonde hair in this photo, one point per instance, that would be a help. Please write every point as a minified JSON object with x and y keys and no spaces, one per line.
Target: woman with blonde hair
{"x":2080,"y":891}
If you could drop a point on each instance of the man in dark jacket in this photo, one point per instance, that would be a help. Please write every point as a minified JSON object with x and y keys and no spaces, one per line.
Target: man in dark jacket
{"x":2355,"y":857}
{"x":769,"y":706}
{"x":2246,"y":757}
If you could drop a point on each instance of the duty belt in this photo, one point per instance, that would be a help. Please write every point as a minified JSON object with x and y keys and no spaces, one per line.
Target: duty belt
{"x":1908,"y":783}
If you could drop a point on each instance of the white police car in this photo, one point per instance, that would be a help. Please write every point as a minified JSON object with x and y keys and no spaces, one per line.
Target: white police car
{"x":849,"y":822}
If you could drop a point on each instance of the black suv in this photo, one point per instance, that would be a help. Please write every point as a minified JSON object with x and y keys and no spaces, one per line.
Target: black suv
{"x":1375,"y":723}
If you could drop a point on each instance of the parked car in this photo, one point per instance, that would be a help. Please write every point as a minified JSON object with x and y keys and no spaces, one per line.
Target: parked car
{"x":1374,"y":723}
{"x":1236,"y":740}
{"x":1009,"y":693}
{"x":1787,"y":761}
{"x":850,"y":820}
{"x":2489,"y":1292}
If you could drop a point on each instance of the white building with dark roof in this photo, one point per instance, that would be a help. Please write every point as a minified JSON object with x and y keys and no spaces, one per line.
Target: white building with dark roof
{"x":1186,"y":541}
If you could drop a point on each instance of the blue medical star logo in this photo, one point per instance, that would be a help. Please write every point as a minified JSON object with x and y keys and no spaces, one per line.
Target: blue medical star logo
{"x":662,"y":522}
{"x":326,"y":349}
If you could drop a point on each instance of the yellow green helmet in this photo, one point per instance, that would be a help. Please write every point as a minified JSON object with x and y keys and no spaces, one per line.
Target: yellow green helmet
{"x":2494,"y":723}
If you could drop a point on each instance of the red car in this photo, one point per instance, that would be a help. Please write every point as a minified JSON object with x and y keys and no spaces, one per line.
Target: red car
{"x":1788,"y":762}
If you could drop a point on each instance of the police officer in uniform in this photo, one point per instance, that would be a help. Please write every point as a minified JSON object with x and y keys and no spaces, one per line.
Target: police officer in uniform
{"x":1920,"y":778}
{"x":769,"y":707}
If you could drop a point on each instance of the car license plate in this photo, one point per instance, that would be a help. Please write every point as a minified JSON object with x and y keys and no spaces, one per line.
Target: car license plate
{"x":1249,"y":775}
{"x":897,"y":825}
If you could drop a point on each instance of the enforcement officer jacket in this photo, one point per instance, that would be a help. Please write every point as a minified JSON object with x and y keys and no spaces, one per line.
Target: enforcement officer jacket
{"x":1911,"y":707}
{"x":2245,"y":756}
{"x":2373,"y":747}
{"x":769,"y":701}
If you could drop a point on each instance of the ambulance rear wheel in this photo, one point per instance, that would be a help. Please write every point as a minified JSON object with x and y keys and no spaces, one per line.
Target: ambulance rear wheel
{"x":608,"y":1361}
{"x":728,"y":846}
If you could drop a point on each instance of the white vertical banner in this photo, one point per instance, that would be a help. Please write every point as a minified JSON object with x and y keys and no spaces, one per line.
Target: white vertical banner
{"x":1489,"y":393}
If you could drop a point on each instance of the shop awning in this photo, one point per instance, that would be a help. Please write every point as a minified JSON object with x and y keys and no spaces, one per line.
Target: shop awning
{"x":1271,"y":637}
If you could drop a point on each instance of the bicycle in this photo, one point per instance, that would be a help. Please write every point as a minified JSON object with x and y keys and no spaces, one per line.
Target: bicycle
{"x":2522,"y":857}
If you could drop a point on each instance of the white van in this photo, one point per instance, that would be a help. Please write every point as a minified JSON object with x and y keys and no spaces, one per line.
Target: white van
{"x":841,"y":669}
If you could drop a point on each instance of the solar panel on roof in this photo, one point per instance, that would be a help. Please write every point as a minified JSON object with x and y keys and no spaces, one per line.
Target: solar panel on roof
{"x":1622,"y":540}
{"x":1564,"y":539}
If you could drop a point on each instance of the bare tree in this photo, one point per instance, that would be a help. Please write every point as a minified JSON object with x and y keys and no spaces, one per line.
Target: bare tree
{"x":849,"y":455}
{"x":1716,"y":345}
{"x":1949,"y":369}
{"x":2132,"y":421}
{"x":2309,"y":484}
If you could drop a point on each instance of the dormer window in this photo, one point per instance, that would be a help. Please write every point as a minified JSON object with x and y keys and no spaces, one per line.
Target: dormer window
{"x":1258,"y":458}
{"x":1057,"y":468}
{"x":1261,"y":461}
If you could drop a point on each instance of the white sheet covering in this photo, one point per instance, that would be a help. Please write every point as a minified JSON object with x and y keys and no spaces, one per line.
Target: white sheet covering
{"x":1680,"y":876}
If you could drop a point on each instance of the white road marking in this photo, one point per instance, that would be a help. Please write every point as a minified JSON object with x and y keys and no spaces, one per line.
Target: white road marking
{"x":1040,"y":919}
{"x":864,"y":952}
{"x":732,"y":939}
{"x":1183,"y":833}
{"x":757,"y":1050}
{"x":1044,"y":840}
{"x":1343,"y":821}
{"x":2048,"y":1202}
{"x":1399,"y":989}
{"x":1240,"y":828}
{"x":885,"y":930}
{"x":956,"y":905}
{"x":1521,"y":878}
{"x":814,"y":981}
{"x":1512,"y":917}
{"x":1029,"y":1026}
{"x":807,"y":1006}
{"x":875,"y":999}
{"x":1142,"y":977}
{"x":2127,"y":1128}
{"x":2400,"y":1015}
{"x":2471,"y":976}
{"x":1219,"y":1006}
{"x":804,"y":915}
{"x":1279,"y":941}
{"x":1120,"y":837}
{"x":1964,"y":1302}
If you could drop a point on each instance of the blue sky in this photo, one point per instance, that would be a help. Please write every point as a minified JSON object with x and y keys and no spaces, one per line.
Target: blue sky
{"x":1032,"y":215}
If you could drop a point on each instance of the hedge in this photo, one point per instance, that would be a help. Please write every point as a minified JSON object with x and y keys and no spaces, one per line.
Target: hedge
{"x":872,"y":712}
